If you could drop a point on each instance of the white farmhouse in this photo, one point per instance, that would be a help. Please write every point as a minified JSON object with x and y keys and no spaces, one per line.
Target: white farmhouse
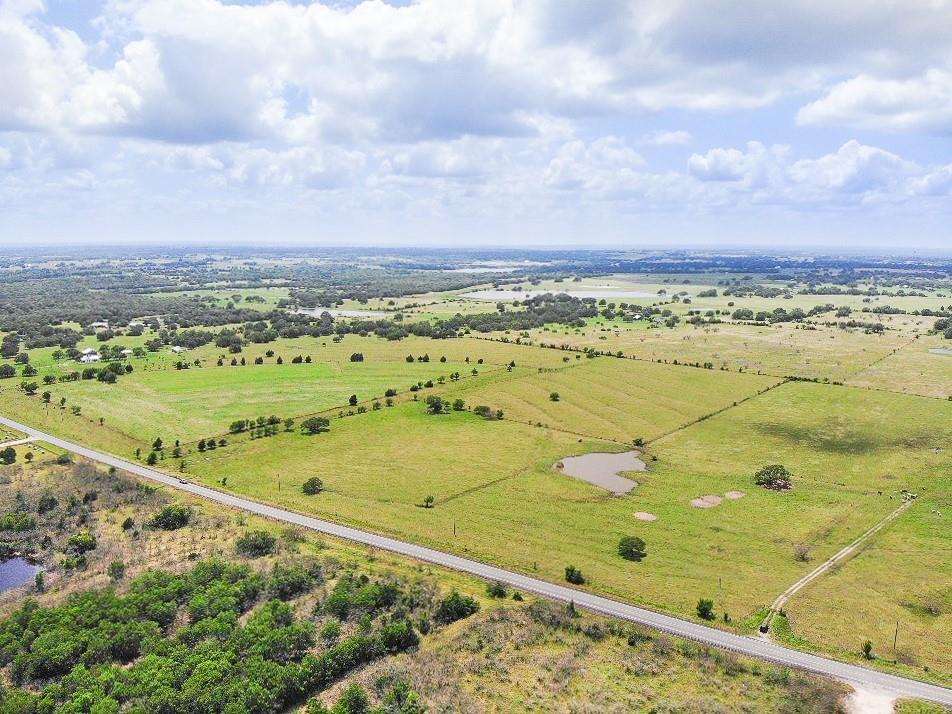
{"x":89,"y":355}
{"x":178,"y":349}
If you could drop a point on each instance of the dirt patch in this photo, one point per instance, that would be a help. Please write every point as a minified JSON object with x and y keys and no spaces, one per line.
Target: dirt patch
{"x":734,"y":495}
{"x":603,"y":469}
{"x":865,"y":700}
{"x":706,"y":501}
{"x":645,"y":516}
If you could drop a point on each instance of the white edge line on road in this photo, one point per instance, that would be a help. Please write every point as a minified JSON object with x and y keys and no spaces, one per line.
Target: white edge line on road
{"x":747,"y":646}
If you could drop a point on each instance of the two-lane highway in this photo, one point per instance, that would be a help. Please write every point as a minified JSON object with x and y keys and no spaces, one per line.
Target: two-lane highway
{"x":751,"y":647}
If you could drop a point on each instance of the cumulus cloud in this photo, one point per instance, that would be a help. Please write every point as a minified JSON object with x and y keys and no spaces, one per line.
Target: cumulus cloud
{"x":922,"y":103}
{"x":668,"y":138}
{"x":479,"y":106}
{"x":593,"y":166}
{"x":199,"y":71}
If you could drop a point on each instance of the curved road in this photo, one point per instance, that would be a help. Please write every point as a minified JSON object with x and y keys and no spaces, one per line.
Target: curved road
{"x":760,"y":649}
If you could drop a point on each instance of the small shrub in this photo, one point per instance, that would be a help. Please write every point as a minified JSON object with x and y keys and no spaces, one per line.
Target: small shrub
{"x":116,"y":570}
{"x":574,"y":575}
{"x":801,"y":552}
{"x":455,"y":607}
{"x":705,"y":609}
{"x":632,"y":548}
{"x":774,"y":477}
{"x":312,"y":486}
{"x":496,"y":589}
{"x":172,"y":517}
{"x":255,"y":544}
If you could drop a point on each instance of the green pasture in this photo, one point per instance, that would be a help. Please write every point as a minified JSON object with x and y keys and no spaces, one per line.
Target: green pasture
{"x":498,"y":498}
{"x":617,"y":399}
{"x":780,"y":350}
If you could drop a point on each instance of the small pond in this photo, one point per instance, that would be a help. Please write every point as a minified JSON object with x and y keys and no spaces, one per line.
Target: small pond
{"x":16,"y":572}
{"x":604,"y":469}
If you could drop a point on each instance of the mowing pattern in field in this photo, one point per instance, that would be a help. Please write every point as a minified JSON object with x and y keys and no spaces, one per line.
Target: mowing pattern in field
{"x":614,"y":398}
{"x":498,"y":498}
{"x":196,"y":403}
{"x":903,"y":577}
{"x":779,"y":350}
{"x":158,"y":400}
{"x":913,"y":370}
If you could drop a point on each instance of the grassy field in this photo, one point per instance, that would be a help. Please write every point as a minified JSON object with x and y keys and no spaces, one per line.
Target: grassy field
{"x":196,"y":403}
{"x":781,"y":350}
{"x":498,"y":498}
{"x":902,"y":579}
{"x":912,"y":370}
{"x":612,"y":398}
{"x":157,"y":399}
{"x":510,"y":657}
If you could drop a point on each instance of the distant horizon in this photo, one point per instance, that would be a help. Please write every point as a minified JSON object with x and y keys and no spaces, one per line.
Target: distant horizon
{"x":291,"y":248}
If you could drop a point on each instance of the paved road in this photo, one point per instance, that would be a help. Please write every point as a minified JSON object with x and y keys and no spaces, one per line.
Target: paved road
{"x":760,"y":649}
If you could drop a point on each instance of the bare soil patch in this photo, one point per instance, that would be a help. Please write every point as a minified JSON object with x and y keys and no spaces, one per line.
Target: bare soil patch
{"x":645,"y":516}
{"x":706,"y":501}
{"x":734,"y":495}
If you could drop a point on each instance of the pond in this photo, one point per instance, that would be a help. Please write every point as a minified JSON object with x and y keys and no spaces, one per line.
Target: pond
{"x":603,"y":469}
{"x":16,"y":572}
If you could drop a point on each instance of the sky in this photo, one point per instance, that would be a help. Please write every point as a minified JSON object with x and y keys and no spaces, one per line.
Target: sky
{"x":795,"y":124}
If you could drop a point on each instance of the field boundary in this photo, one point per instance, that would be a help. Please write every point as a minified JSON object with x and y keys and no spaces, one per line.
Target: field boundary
{"x":752,"y":647}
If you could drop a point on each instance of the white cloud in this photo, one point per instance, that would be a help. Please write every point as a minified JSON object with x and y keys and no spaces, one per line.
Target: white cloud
{"x":479,"y":107}
{"x":593,"y":166}
{"x":922,"y":103}
{"x":668,"y":138}
{"x":202,"y":70}
{"x":854,"y":168}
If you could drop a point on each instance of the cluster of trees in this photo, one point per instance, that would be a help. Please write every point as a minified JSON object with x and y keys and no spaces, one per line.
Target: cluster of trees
{"x":487,"y":412}
{"x":10,"y":345}
{"x":437,"y":405}
{"x":944,"y":326}
{"x":121,"y":652}
{"x":211,"y":444}
{"x":777,"y":315}
{"x":315,"y":425}
{"x":253,"y":424}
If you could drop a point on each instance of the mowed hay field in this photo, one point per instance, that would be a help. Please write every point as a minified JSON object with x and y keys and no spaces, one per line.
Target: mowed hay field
{"x":498,"y":498}
{"x":378,"y":467}
{"x":913,"y":370}
{"x":618,"y":399}
{"x":158,"y":400}
{"x":197,"y":403}
{"x":781,"y":350}
{"x":902,"y":577}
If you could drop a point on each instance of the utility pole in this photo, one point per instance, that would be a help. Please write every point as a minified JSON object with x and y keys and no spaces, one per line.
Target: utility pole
{"x":895,"y":637}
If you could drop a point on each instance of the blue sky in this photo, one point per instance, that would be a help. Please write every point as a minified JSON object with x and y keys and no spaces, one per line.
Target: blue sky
{"x":477,"y":122}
